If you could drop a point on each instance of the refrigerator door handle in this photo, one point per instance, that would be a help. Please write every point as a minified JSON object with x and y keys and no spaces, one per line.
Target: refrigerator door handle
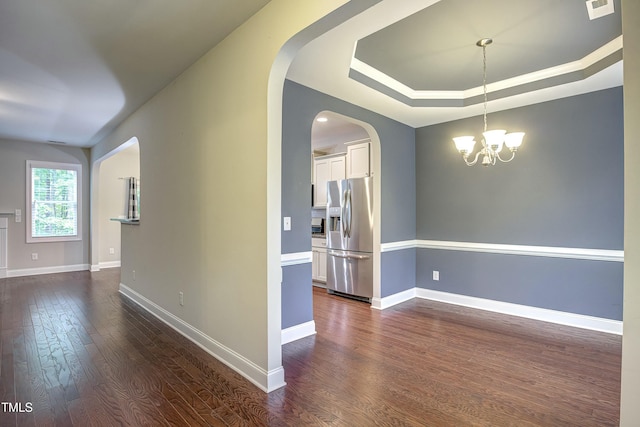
{"x":343,"y":216}
{"x":347,"y":218}
{"x":349,"y":212}
{"x":348,"y":256}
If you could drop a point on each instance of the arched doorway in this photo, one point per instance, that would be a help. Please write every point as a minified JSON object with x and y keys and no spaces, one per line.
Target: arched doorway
{"x":107,"y":201}
{"x":342,"y":147}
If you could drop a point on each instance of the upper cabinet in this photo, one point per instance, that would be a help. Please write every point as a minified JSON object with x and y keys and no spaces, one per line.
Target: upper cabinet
{"x":325,"y":169}
{"x":355,"y":163}
{"x":358,"y":159}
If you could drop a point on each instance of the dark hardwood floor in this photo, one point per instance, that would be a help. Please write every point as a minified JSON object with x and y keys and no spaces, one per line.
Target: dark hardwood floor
{"x":77,"y":353}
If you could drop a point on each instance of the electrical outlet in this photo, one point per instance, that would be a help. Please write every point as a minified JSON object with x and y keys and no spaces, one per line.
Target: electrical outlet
{"x":34,"y":256}
{"x":287,"y":223}
{"x":436,"y":275}
{"x":18,"y":215}
{"x":134,"y":274}
{"x":112,"y":251}
{"x":181,"y":297}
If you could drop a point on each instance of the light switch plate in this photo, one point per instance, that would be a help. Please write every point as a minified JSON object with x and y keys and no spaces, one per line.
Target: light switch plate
{"x":599,"y":8}
{"x":18,"y":215}
{"x":287,"y":223}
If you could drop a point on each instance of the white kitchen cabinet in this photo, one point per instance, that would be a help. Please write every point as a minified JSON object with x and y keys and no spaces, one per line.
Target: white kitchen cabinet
{"x":321,"y":174}
{"x":319,"y":260}
{"x":358,"y":159}
{"x":326,"y":168}
{"x":319,"y":266}
{"x":322,"y":265}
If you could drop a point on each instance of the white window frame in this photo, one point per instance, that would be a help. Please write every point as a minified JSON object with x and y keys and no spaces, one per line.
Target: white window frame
{"x":35,"y":164}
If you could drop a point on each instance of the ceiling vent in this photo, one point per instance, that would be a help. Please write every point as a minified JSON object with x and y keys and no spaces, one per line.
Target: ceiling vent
{"x":599,"y":8}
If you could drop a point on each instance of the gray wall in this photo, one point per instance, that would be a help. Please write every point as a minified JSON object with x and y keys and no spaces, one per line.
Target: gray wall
{"x":300,"y":107}
{"x":565,"y":188}
{"x":297,"y":303}
{"x":591,"y":288}
{"x":13,"y":193}
{"x":397,"y":269}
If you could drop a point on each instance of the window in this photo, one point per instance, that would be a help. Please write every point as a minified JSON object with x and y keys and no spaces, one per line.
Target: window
{"x":54,"y":201}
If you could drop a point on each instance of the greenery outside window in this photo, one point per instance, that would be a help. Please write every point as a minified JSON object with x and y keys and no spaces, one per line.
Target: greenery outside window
{"x":53,"y":201}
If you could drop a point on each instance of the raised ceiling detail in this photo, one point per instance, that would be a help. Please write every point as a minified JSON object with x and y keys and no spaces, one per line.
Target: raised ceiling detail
{"x":430,"y":59}
{"x":554,"y":76}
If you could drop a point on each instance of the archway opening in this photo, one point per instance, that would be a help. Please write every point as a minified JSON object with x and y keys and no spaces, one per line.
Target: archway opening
{"x":341,"y":150}
{"x":110,"y":176}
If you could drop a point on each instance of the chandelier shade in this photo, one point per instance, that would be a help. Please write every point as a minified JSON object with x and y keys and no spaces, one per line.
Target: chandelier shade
{"x":464,"y":144}
{"x":494,"y":138}
{"x":513,"y":140}
{"x":493,"y":141}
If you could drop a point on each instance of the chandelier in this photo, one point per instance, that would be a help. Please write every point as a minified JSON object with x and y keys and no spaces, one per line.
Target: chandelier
{"x":493,"y":140}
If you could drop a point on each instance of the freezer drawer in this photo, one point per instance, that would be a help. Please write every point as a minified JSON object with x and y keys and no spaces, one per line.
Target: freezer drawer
{"x":350,"y":272}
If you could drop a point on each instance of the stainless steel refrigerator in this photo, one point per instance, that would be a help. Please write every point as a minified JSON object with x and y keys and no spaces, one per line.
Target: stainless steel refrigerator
{"x":349,"y":228}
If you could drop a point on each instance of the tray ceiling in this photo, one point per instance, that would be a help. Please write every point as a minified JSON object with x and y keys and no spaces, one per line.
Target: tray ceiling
{"x":435,"y":48}
{"x":417,"y":61}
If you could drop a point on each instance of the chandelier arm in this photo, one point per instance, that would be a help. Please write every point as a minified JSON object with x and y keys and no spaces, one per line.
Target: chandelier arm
{"x":475,"y":160}
{"x":513,"y":155}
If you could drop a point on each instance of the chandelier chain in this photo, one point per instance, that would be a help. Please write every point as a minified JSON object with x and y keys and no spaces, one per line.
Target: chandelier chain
{"x":484,"y":83}
{"x":494,"y":140}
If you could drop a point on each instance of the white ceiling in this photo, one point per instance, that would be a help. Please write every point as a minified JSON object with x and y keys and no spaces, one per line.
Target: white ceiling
{"x":71,"y":70}
{"x":336,"y":130}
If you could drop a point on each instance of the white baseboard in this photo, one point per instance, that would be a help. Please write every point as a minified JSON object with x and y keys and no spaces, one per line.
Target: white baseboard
{"x":545,"y":315}
{"x":391,"y":300}
{"x":3,"y":273}
{"x":297,"y":332}
{"x":265,"y":380}
{"x":47,"y":270}
{"x":109,"y":264}
{"x":94,"y":267}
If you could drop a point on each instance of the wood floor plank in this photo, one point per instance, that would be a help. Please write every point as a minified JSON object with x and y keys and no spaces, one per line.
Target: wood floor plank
{"x":82,"y":354}
{"x":7,"y":376}
{"x":22,"y":385}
